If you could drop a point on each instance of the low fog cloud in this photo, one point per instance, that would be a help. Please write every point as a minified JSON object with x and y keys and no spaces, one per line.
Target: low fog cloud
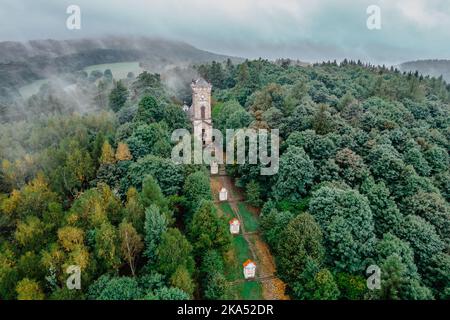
{"x":303,"y":29}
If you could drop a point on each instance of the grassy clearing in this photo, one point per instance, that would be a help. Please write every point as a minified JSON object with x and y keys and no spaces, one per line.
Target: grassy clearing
{"x":238,"y":254}
{"x":247,"y":290}
{"x":32,"y":88}
{"x":119,"y":69}
{"x":226,"y":209}
{"x":250,"y":290}
{"x":250,"y":220}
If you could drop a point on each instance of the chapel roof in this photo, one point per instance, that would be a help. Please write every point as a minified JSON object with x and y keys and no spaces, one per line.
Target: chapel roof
{"x":200,"y":82}
{"x":248,"y":262}
{"x":234,"y":220}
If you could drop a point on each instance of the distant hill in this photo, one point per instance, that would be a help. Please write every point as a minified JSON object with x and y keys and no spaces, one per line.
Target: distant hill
{"x":433,"y":68}
{"x":24,"y":62}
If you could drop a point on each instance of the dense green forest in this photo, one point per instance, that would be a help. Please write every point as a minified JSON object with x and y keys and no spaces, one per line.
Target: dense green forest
{"x":364,"y":180}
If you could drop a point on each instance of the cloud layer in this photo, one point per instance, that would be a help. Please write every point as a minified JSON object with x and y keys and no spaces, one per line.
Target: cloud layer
{"x":303,"y":29}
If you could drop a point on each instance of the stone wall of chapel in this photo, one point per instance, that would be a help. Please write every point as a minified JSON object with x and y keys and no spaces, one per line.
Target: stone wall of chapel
{"x":197,"y":102}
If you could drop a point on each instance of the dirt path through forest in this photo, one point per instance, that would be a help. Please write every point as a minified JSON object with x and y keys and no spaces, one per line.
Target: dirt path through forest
{"x":273,"y":288}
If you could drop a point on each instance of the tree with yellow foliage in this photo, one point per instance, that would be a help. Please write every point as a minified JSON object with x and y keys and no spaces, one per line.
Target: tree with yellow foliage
{"x":79,"y":256}
{"x":33,"y":199}
{"x":31,"y":233}
{"x":106,"y":246}
{"x":182,"y":279}
{"x":134,"y":210}
{"x":123,"y":152}
{"x":29,"y":290}
{"x":70,"y":237}
{"x":107,"y":156}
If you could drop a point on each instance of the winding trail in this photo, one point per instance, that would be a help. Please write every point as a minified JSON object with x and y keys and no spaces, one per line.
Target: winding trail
{"x":272,"y":287}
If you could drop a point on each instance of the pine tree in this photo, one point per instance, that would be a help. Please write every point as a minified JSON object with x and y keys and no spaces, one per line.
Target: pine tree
{"x":253,"y":193}
{"x":118,"y":96}
{"x":207,"y":230}
{"x":155,"y":225}
{"x":151,"y":194}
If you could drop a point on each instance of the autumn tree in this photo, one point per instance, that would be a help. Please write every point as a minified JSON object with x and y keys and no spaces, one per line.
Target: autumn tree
{"x":9,"y":275}
{"x":28,"y":289}
{"x":182,"y":279}
{"x":78,"y":169}
{"x":106,"y":246}
{"x":134,"y":210}
{"x":70,"y":237}
{"x":107,"y":156}
{"x":123,"y":152}
{"x":130,"y":244}
{"x":34,"y":199}
{"x":31,"y":233}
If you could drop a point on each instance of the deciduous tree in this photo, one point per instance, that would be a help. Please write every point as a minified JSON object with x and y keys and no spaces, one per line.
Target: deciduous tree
{"x":174,"y":251}
{"x":130,"y":244}
{"x":302,"y":240}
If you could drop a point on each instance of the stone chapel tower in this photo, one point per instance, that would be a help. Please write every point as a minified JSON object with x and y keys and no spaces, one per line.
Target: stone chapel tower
{"x":200,"y":111}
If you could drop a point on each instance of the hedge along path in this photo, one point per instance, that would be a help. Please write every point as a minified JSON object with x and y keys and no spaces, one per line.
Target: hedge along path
{"x":273,"y":288}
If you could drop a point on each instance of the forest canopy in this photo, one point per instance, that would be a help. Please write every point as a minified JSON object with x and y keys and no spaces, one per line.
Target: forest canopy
{"x":364,"y":180}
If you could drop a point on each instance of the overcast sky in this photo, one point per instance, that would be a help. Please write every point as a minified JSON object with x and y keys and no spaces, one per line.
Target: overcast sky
{"x":304,"y":29}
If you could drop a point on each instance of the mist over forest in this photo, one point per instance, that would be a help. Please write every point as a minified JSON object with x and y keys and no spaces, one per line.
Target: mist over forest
{"x":62,"y":63}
